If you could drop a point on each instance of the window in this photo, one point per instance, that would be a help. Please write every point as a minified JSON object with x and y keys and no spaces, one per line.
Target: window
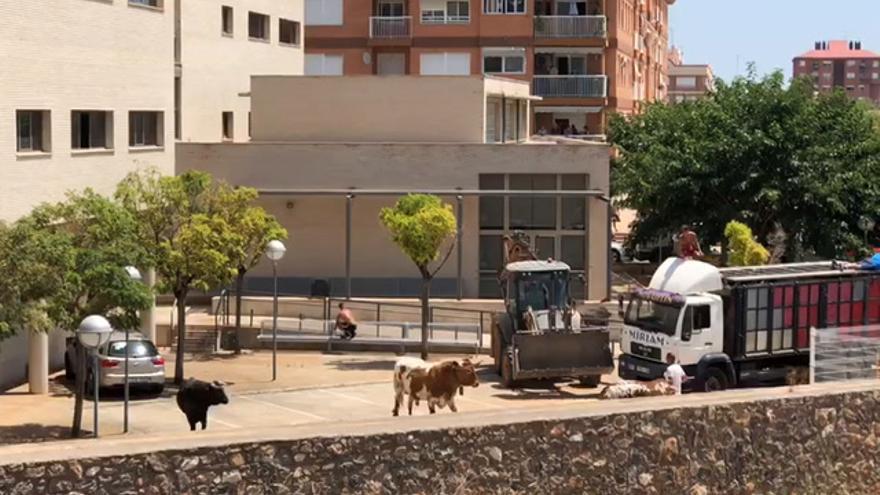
{"x":686,"y":82}
{"x":145,"y":129}
{"x":288,"y":32}
{"x":458,"y":11}
{"x":320,"y":64}
{"x":492,"y":207}
{"x":528,"y":212}
{"x":875,"y":76}
{"x":258,"y":26}
{"x":433,"y":17}
{"x":390,"y":8}
{"x":574,"y":210}
{"x":757,"y":319}
{"x":876,"y":64}
{"x":228,"y":126}
{"x":91,"y":130}
{"x":802,"y":63}
{"x":504,"y":61}
{"x":850,"y":75}
{"x":227,"y":20}
{"x":445,"y":64}
{"x":850,"y":63}
{"x":323,"y":12}
{"x":32,"y":131}
{"x":156,"y":4}
{"x":504,"y":6}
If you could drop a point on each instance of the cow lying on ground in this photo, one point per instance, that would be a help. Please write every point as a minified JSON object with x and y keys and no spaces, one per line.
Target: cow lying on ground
{"x":434,"y":383}
{"x":195,"y":397}
{"x":625,"y":390}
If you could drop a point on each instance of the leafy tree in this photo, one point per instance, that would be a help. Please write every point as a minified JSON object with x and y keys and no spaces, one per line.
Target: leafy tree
{"x":66,"y":261}
{"x":776,"y":156}
{"x":744,"y":249}
{"x":251,"y":230}
{"x":184,"y":234}
{"x":420,"y":224}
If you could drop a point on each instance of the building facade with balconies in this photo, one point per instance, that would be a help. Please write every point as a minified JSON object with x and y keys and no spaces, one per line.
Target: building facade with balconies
{"x":842,"y":64}
{"x":688,"y":82}
{"x":584,"y":58}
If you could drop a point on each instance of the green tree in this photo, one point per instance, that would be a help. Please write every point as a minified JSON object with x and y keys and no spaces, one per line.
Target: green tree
{"x":251,"y":230}
{"x":774,"y":155}
{"x":420,"y":224}
{"x":184,"y":234}
{"x":66,"y":261}
{"x":744,"y":249}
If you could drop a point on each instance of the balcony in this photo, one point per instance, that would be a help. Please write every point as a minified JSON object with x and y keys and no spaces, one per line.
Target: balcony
{"x":571,"y":86}
{"x":390,"y":27}
{"x":571,"y":26}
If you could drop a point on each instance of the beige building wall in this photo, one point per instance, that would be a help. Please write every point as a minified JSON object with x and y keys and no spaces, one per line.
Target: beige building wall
{"x":378,"y":108}
{"x":316,"y":247}
{"x":81,"y":55}
{"x":215,"y":68}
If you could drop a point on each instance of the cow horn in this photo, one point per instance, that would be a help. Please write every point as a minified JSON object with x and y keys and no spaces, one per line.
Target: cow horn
{"x":218,"y":383}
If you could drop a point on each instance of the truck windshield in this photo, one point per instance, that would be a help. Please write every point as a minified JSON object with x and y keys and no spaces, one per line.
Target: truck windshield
{"x":541,"y":290}
{"x":652,"y":316}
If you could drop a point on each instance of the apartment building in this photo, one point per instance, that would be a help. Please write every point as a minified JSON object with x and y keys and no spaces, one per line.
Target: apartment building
{"x":85,"y":100}
{"x":585,"y":58}
{"x":842,"y":64}
{"x":688,"y":82}
{"x":326,"y":165}
{"x":220,"y":44}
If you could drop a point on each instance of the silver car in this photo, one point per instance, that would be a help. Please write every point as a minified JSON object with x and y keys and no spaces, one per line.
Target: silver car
{"x":146,"y":367}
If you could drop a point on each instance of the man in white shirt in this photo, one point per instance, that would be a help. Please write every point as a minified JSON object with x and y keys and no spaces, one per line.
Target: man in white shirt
{"x":674,"y":374}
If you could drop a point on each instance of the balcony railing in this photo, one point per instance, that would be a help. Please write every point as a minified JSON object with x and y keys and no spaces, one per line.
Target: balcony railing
{"x":571,"y":86}
{"x":390,"y":28}
{"x":570,"y":26}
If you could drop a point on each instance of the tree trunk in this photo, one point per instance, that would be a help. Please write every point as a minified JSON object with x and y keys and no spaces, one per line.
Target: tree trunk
{"x":239,"y":284}
{"x":180,"y":296}
{"x":79,"y":392}
{"x":426,"y":291}
{"x":725,"y":251}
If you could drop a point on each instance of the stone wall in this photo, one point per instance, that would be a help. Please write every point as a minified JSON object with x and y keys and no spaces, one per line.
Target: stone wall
{"x":819,"y":444}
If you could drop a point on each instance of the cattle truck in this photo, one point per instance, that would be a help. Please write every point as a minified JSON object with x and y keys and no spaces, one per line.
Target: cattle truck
{"x":734,"y":327}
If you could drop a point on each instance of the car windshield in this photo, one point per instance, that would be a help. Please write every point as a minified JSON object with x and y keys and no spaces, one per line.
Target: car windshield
{"x":139,"y":349}
{"x":542,"y":290}
{"x":652,"y":316}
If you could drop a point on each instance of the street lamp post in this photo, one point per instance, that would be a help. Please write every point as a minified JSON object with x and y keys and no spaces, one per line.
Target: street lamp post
{"x":866,"y":224}
{"x":135,"y":275}
{"x":275,"y":251}
{"x":93,"y":332}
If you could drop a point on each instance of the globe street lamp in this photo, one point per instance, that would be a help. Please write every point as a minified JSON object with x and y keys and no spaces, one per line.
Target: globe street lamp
{"x":134,"y":275}
{"x":275,"y":251}
{"x":93,"y":332}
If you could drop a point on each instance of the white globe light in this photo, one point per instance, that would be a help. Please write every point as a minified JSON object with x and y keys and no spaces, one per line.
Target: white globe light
{"x":133,"y":273}
{"x":275,"y":250}
{"x":94,"y":331}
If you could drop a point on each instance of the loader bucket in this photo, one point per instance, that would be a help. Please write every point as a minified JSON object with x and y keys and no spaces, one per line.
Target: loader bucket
{"x":552,"y":355}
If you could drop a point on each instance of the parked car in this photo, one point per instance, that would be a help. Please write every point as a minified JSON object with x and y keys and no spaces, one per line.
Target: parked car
{"x":618,"y":253}
{"x":146,"y":367}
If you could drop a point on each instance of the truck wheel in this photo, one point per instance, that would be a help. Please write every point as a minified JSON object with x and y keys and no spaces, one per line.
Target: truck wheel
{"x":591,"y":381}
{"x":715,"y":380}
{"x":496,"y":349}
{"x":507,"y":369}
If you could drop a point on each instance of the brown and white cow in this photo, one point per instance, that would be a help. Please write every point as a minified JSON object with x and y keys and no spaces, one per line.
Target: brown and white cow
{"x":435,"y":383}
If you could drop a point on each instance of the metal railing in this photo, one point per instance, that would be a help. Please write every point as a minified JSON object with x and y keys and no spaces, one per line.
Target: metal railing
{"x":571,"y":26}
{"x":390,"y":27}
{"x":428,"y":17}
{"x":577,"y":86}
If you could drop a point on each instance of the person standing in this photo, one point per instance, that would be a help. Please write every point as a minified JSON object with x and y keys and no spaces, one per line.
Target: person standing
{"x":688,"y":244}
{"x":346,"y":322}
{"x":674,"y":374}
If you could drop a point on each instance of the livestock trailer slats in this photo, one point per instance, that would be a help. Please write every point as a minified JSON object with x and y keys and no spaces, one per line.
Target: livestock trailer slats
{"x":774,"y":317}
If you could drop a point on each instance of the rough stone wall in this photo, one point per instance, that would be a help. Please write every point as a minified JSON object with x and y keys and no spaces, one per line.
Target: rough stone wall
{"x":825,"y":444}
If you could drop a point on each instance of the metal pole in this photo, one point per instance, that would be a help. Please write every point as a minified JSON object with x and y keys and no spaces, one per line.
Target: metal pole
{"x":275,"y":321}
{"x":458,"y":220}
{"x":95,"y":372}
{"x":348,"y":246}
{"x":125,"y":403}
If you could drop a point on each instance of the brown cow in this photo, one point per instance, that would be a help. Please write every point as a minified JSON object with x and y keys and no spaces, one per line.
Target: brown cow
{"x":437,"y":384}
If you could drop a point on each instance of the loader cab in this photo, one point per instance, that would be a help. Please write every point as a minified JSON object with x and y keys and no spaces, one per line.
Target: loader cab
{"x":542,"y":286}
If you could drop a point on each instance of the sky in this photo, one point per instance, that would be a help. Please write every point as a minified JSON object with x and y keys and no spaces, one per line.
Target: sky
{"x":728,"y":34}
